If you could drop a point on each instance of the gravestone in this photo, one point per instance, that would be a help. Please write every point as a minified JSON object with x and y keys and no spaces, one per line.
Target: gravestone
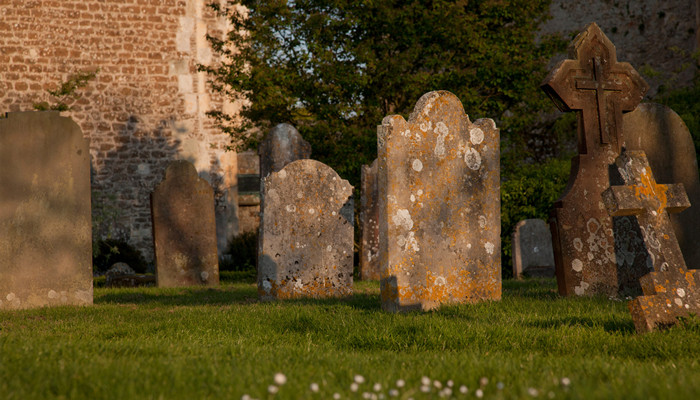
{"x":439,"y":207}
{"x":184,"y":228}
{"x":282,"y":145}
{"x":662,"y":135}
{"x":600,"y":89}
{"x":670,"y":289}
{"x":45,"y":221}
{"x":306,"y":233}
{"x":532,"y":249}
{"x":369,"y":218}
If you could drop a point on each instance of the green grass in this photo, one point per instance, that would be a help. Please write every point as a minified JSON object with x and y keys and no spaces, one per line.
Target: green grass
{"x":197,"y":343}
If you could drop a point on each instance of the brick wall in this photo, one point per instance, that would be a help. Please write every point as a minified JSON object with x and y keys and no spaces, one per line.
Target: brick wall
{"x":146,"y":106}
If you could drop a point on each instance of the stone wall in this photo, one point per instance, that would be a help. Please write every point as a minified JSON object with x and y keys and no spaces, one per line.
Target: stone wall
{"x":145,"y":108}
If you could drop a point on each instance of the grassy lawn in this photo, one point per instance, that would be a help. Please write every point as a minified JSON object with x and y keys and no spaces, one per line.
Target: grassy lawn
{"x":196,"y":343}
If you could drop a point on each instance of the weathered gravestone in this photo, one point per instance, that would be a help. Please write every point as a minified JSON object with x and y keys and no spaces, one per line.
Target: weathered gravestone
{"x":670,"y":290}
{"x":439,"y":207}
{"x":184,"y":228}
{"x":600,"y":89}
{"x":282,"y":145}
{"x":45,"y":221}
{"x":532,"y":249}
{"x":369,"y":218}
{"x":662,"y":135}
{"x":306,"y":233}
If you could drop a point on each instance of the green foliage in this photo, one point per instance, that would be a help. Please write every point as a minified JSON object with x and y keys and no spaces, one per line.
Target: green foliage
{"x":528,"y":191}
{"x":105,"y":214}
{"x":110,"y":251}
{"x":67,"y":92}
{"x":334,"y":69}
{"x":241,"y":254}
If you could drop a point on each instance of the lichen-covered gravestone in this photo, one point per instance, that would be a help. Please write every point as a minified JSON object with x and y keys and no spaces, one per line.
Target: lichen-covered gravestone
{"x":439,"y":207}
{"x":282,"y":145}
{"x":600,"y":89}
{"x":369,"y":218}
{"x":184,"y":228}
{"x":45,"y":221}
{"x":670,"y":290}
{"x":306,"y":233}
{"x":532,"y":249}
{"x":664,"y":137}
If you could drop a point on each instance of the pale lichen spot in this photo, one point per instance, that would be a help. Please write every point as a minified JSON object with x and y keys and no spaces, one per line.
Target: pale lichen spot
{"x":417,"y":165}
{"x":678,"y":302}
{"x":420,"y":192}
{"x":290,"y":208}
{"x":204,"y":275}
{"x":476,"y":135}
{"x":440,"y":280}
{"x":473,"y":159}
{"x":402,"y":218}
{"x":426,"y":126}
{"x":311,"y":211}
{"x":10,"y":296}
{"x":53,"y":294}
{"x":300,"y":195}
{"x":680,"y":292}
{"x":334,"y":213}
{"x":590,"y":256}
{"x":282,"y":174}
{"x":413,"y":198}
{"x":489,"y":247}
{"x":577,"y":265}
{"x":581,"y":290}
{"x":442,"y":131}
{"x":578,"y":244}
{"x":298,"y":284}
{"x":329,"y":248}
{"x":482,"y":221}
{"x":266,"y":285}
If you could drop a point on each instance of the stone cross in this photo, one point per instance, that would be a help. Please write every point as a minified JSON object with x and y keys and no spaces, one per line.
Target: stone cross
{"x":600,"y":89}
{"x":670,"y":290}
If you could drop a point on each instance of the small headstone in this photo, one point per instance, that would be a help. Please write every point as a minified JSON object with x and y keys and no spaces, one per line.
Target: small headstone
{"x":184,"y":228}
{"x":664,"y":137}
{"x":670,"y":289}
{"x":282,"y":145}
{"x":369,"y":218}
{"x":532,"y":249}
{"x":45,"y":221}
{"x":118,"y":269}
{"x":306,"y":233}
{"x":439,"y":207}
{"x":600,"y":89}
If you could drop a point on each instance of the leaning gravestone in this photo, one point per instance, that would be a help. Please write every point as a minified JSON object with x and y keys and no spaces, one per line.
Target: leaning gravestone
{"x":369,"y":218}
{"x":439,"y":207}
{"x":282,"y":145}
{"x":306,"y":233}
{"x":45,"y":221}
{"x":670,"y":290}
{"x":662,"y":135}
{"x":532,"y":249}
{"x":600,"y":89}
{"x":184,"y":228}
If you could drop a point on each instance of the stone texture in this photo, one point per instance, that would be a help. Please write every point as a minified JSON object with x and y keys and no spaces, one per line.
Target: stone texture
{"x":670,"y":290}
{"x":45,"y":225}
{"x":248,"y":201}
{"x":532,"y":249}
{"x":306,"y":233}
{"x":184,"y":230}
{"x":282,"y":145}
{"x":369,"y":220}
{"x":600,"y":89}
{"x":439,"y":207}
{"x":662,"y":135}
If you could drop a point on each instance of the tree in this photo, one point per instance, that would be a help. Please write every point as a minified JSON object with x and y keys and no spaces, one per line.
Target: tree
{"x":335,"y":68}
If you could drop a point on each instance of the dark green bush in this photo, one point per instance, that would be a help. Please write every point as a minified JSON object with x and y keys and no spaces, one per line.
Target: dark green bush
{"x":109,"y":251}
{"x":528,"y":191}
{"x":242,"y":253}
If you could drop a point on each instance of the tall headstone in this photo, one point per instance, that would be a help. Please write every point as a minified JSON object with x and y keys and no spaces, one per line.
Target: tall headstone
{"x":662,"y":135}
{"x":439,"y":207}
{"x":670,"y":289}
{"x":282,"y":145}
{"x":306,"y":233}
{"x":600,"y":89}
{"x":45,"y":221}
{"x":369,"y":218}
{"x":184,"y":228}
{"x":532,"y":249}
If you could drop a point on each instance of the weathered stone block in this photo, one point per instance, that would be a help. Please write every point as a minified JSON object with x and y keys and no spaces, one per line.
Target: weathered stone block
{"x":439,"y":207}
{"x":532,"y":249}
{"x":306,"y":233}
{"x":369,"y":218}
{"x":45,"y":221}
{"x":184,"y":228}
{"x":282,"y":145}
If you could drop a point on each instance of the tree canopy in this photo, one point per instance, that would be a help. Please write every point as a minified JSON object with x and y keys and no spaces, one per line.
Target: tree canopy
{"x":335,"y":68}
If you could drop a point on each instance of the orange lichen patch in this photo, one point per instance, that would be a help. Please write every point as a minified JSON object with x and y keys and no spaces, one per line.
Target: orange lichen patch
{"x":649,"y":190}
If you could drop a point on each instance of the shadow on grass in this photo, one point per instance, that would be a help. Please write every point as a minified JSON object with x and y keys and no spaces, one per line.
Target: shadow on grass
{"x":533,"y":288}
{"x":608,"y":325}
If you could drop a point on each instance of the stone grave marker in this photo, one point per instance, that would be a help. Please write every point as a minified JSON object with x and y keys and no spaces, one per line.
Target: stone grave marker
{"x":600,"y":89}
{"x":45,"y":219}
{"x":664,"y":137}
{"x":670,"y":289}
{"x":306,"y":233}
{"x":369,"y":218}
{"x":282,"y":145}
{"x":439,"y":207}
{"x":184,"y":228}
{"x":532,"y":249}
